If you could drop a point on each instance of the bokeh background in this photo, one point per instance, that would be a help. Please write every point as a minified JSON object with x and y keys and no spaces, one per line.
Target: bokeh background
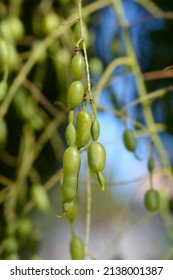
{"x":38,"y":37}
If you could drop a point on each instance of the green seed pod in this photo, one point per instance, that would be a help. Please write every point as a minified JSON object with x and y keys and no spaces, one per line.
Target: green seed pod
{"x":3,"y":133}
{"x":95,"y":129}
{"x":40,"y":198}
{"x":71,"y":210}
{"x":71,"y":116}
{"x":69,"y":187}
{"x":71,"y":167}
{"x":96,"y":157}
{"x":75,"y":94}
{"x":77,"y":249}
{"x":70,"y":134}
{"x":129,"y":140}
{"x":151,"y":200}
{"x":71,"y":161}
{"x":83,"y":128}
{"x":3,"y":90}
{"x":150,"y":164}
{"x":78,"y":66}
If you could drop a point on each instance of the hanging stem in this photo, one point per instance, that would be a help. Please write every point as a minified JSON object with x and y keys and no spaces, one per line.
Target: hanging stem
{"x":86,"y":59}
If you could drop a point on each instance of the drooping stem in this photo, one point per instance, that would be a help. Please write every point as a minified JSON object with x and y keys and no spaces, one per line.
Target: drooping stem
{"x":86,"y":58}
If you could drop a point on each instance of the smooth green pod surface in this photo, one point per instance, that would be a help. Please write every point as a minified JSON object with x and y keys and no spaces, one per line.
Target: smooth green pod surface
{"x":75,"y":94}
{"x":70,"y":134}
{"x":151,"y":200}
{"x":78,"y":66}
{"x":71,"y":167}
{"x":83,"y":128}
{"x":96,"y":157}
{"x":69,"y":187}
{"x":95,"y":129}
{"x":77,"y":249}
{"x":129,"y":140}
{"x":71,"y":161}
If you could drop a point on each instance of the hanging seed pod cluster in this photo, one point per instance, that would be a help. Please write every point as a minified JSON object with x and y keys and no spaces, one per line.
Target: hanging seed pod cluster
{"x":83,"y":133}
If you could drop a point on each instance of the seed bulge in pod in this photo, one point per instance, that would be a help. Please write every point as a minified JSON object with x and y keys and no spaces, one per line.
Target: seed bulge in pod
{"x":75,"y":94}
{"x":129,"y":140}
{"x":96,"y":157}
{"x":95,"y":129}
{"x":70,"y":134}
{"x":83,"y":128}
{"x":69,"y":187}
{"x":71,"y":161}
{"x":78,"y":66}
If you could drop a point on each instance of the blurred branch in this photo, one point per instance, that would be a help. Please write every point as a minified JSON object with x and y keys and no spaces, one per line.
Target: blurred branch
{"x":127,"y":61}
{"x":121,"y":114}
{"x":54,"y":179}
{"x":7,"y":158}
{"x":48,"y":132}
{"x":40,"y":97}
{"x":149,"y":97}
{"x":161,"y":74}
{"x":26,"y":156}
{"x":150,"y":6}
